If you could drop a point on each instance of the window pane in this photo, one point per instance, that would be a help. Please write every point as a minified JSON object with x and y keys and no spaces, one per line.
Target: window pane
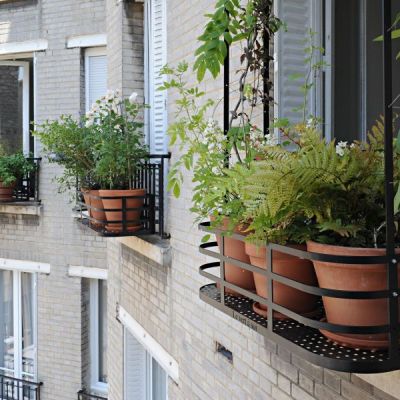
{"x":28,"y":329}
{"x":102,"y":331}
{"x":6,"y":323}
{"x":97,"y":79}
{"x":11,"y":107}
{"x":159,"y":382}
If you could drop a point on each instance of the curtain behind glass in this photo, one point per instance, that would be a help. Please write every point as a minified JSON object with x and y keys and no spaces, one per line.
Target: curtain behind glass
{"x":159,"y":383}
{"x":28,"y":333}
{"x":102,"y":331}
{"x":6,"y":323}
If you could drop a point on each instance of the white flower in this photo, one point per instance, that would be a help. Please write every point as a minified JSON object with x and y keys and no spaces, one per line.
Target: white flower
{"x":271,"y":140}
{"x":340,"y":148}
{"x":89,"y":123}
{"x":133,"y":98}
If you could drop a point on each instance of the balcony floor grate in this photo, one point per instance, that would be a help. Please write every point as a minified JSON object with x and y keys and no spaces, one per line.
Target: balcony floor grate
{"x":309,"y":339}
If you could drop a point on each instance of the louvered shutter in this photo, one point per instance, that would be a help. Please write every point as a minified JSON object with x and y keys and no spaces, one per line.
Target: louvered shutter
{"x":155,"y":60}
{"x":96,"y":79}
{"x":299,"y":16}
{"x":135,"y":369}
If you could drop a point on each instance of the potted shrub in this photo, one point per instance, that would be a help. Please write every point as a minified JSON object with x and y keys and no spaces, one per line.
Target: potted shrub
{"x":119,"y":153}
{"x":12,"y":168}
{"x":204,"y":152}
{"x":102,"y":150}
{"x":337,"y":190}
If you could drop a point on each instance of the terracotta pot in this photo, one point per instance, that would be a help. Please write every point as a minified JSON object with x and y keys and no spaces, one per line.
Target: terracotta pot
{"x":291,"y":267}
{"x":132,"y":217}
{"x":96,"y":206}
{"x":353,"y":277}
{"x":236,"y":249}
{"x":7,"y":192}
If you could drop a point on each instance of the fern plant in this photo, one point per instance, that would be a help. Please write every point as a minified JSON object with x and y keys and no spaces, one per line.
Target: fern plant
{"x":331,"y":193}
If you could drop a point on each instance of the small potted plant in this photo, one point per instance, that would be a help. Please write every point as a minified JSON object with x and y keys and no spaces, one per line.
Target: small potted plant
{"x":102,"y":150}
{"x":12,"y":168}
{"x":117,"y":122}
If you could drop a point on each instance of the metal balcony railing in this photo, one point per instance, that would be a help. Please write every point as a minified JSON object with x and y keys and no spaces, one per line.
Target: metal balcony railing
{"x":27,"y":188}
{"x":18,"y":389}
{"x":83,"y":395}
{"x":128,"y":215}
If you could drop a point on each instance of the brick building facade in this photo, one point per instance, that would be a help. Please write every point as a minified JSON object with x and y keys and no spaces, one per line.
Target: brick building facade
{"x":155,"y":282}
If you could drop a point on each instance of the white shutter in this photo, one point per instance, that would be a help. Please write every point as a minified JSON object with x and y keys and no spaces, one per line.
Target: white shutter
{"x":135,"y":369}
{"x":155,"y":56}
{"x":96,"y":76}
{"x":299,"y":16}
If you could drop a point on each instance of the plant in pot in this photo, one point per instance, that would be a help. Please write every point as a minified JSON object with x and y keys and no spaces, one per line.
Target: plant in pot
{"x":12,"y":168}
{"x":204,"y":151}
{"x":277,"y":217}
{"x":70,"y":143}
{"x":118,"y":154}
{"x":339,"y":188}
{"x":219,"y":159}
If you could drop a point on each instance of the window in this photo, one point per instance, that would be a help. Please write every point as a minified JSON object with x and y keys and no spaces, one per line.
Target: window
{"x":155,"y":59}
{"x":144,"y":377}
{"x":356,"y":72}
{"x":95,"y":75}
{"x":348,"y":93}
{"x":16,"y":107}
{"x":18,"y":324}
{"x":98,"y":336}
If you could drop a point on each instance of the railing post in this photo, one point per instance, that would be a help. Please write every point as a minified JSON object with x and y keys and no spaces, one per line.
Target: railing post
{"x":152,"y":213}
{"x":124,"y":215}
{"x":161,"y":198}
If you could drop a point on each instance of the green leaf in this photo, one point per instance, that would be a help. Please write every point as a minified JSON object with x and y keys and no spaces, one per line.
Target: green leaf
{"x":205,"y":238}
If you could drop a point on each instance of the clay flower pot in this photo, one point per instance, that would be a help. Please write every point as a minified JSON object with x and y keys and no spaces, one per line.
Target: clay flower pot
{"x":236,"y":249}
{"x":96,"y":206}
{"x":291,"y":267}
{"x":353,"y":277}
{"x":112,"y":200}
{"x":7,"y":192}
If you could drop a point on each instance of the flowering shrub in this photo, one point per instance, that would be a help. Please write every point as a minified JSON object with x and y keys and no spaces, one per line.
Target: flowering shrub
{"x":219,"y":161}
{"x":103,"y":148}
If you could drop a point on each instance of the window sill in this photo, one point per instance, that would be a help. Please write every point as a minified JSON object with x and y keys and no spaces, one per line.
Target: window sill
{"x":150,"y":246}
{"x":388,"y":382}
{"x":21,"y":208}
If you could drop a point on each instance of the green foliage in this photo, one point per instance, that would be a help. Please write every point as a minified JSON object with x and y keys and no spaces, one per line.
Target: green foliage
{"x":395,"y":33}
{"x":233,"y":22}
{"x":14,"y":167}
{"x":102,"y":149}
{"x":332,"y":193}
{"x":206,"y":151}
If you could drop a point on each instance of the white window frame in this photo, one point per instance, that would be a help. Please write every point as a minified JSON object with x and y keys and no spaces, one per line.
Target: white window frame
{"x":17,"y":317}
{"x":96,"y":386}
{"x":148,"y":372}
{"x":25,"y":101}
{"x":91,"y":52}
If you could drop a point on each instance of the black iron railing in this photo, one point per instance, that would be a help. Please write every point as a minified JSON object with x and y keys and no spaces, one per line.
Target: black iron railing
{"x":18,"y":389}
{"x":27,"y":188}
{"x":83,"y":395}
{"x":309,"y":335}
{"x":127,"y":214}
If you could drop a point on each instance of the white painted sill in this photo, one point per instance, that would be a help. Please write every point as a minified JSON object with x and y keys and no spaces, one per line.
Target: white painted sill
{"x":388,"y":382}
{"x":21,"y":208}
{"x":149,"y":246}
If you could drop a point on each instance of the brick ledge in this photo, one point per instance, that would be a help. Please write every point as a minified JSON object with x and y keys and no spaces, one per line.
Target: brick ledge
{"x":388,"y":382}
